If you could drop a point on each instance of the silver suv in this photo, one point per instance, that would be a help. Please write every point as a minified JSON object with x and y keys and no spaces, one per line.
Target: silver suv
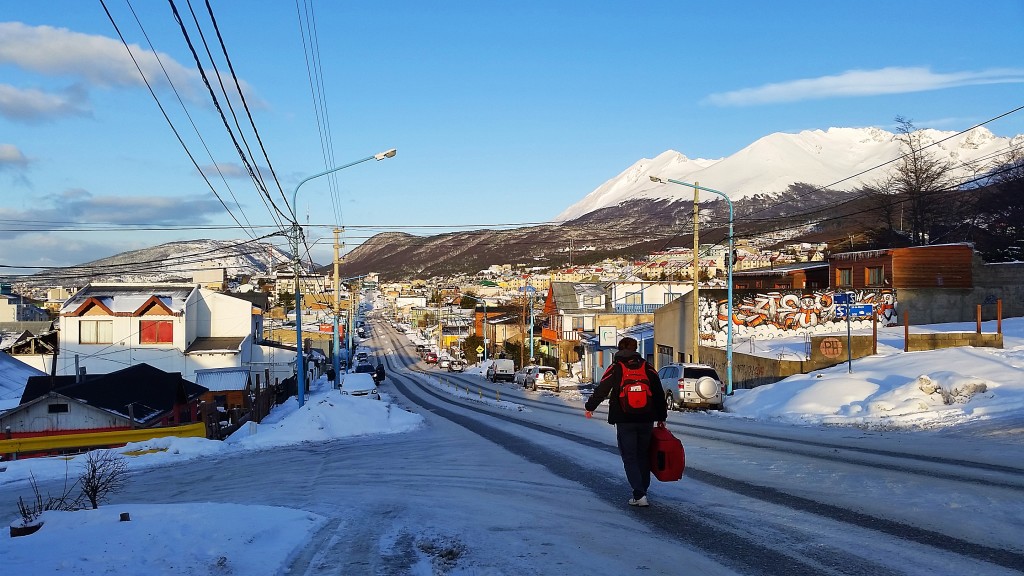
{"x":692,"y":386}
{"x":541,"y":377}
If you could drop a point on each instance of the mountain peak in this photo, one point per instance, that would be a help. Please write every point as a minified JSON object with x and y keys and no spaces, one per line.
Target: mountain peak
{"x":841,"y":158}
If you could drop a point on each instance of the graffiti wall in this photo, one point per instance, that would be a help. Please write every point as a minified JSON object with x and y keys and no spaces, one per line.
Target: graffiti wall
{"x":786,"y":313}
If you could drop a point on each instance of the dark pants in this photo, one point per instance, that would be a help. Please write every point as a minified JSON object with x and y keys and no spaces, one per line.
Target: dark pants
{"x":634,"y":447}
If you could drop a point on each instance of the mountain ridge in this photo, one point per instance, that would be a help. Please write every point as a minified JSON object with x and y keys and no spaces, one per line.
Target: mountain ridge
{"x":837,"y":158}
{"x":627,"y":216}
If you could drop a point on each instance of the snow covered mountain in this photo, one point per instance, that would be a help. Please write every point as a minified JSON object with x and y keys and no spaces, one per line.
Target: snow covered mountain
{"x":174,"y":261}
{"x":839,"y":158}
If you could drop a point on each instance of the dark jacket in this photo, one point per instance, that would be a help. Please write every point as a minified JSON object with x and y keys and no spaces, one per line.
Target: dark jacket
{"x":378,"y":374}
{"x":609,"y":388}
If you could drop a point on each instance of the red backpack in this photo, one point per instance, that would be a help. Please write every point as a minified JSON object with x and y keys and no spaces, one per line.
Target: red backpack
{"x":635,"y":390}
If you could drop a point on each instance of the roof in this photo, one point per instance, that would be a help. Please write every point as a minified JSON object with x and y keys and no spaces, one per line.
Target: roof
{"x":644,"y":331}
{"x":216,"y":344}
{"x":57,"y":397}
{"x":221,"y":379}
{"x":151,"y":391}
{"x":14,"y":375}
{"x":127,"y":299}
{"x":567,"y":295}
{"x":781,"y":269}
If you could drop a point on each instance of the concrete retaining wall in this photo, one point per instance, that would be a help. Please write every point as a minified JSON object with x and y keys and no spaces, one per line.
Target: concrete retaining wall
{"x":920,"y":342}
{"x":750,"y":371}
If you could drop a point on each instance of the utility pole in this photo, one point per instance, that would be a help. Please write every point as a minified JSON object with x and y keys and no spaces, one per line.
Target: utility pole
{"x":337,"y":308}
{"x":530,"y":294}
{"x":353,"y":306}
{"x":696,"y":275}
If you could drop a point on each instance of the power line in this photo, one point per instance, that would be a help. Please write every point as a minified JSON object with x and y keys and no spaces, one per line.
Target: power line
{"x":164,"y":112}
{"x":227,"y":126}
{"x":245,"y":105}
{"x":184,"y":109}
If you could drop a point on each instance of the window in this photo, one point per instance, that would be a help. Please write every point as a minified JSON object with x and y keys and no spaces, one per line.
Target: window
{"x":669,"y":297}
{"x":57,"y":408}
{"x":636,"y":298}
{"x":577,"y":323}
{"x":875,"y":276}
{"x":844,"y":277}
{"x":96,"y":332}
{"x":156,"y":332}
{"x":592,"y":301}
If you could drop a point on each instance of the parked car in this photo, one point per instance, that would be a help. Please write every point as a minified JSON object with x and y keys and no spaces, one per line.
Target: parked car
{"x":359,"y":384}
{"x":519,"y":379}
{"x":541,"y":377}
{"x":430,"y":358}
{"x":456,"y":366}
{"x":692,"y":386}
{"x":501,"y":369}
{"x":444,"y":362}
{"x":363,"y":368}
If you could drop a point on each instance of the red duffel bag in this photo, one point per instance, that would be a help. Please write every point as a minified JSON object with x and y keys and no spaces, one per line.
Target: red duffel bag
{"x":667,"y":456}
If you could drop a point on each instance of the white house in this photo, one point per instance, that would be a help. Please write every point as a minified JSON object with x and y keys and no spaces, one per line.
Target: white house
{"x":645,"y":297}
{"x":174,"y":327}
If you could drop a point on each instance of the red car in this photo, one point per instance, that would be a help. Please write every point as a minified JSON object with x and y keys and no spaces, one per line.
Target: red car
{"x":430,"y":358}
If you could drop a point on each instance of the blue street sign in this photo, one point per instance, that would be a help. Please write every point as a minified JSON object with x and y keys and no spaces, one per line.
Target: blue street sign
{"x":861,"y":310}
{"x":844,"y":298}
{"x":854,"y":311}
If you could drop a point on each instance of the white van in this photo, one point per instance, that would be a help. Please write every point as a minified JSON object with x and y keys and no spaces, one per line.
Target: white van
{"x":501,"y":369}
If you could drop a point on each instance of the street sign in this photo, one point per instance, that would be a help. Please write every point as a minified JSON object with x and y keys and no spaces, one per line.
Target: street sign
{"x":854,"y":311}
{"x":861,"y":310}
{"x":844,"y":298}
{"x":479,"y":349}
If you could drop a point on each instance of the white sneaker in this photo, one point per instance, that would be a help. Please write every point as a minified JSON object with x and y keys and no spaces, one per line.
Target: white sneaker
{"x":641,"y":501}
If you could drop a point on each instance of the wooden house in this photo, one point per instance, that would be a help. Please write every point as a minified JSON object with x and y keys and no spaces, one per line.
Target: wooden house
{"x":226,"y":388}
{"x":938,"y":266}
{"x":794,"y":276}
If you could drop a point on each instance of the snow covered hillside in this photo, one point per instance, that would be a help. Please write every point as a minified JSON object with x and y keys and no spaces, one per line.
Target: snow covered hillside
{"x":839,"y":158}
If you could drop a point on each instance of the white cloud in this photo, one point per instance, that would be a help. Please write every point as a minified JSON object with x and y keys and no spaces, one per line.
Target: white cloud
{"x":92,"y":61}
{"x":233,"y":170}
{"x":99,"y":60}
{"x":75,"y":207}
{"x":11,"y":157}
{"x":30,"y":105}
{"x":893,"y":80}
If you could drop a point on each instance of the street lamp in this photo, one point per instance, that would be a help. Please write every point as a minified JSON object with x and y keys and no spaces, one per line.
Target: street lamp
{"x":728,"y":342}
{"x":296,"y":235}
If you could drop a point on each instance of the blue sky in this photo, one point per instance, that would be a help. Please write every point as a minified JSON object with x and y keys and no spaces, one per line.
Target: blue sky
{"x":502,"y":112}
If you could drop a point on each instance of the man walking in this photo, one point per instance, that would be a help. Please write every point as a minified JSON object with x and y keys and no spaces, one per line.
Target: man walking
{"x":636,"y":402}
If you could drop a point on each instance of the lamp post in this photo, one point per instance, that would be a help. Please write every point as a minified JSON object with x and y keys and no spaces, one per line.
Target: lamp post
{"x":296,"y":236}
{"x":728,"y":343}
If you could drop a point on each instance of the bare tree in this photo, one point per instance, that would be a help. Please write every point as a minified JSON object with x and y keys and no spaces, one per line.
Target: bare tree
{"x":31,"y":511}
{"x":885,"y":198}
{"x":105,"y":473}
{"x":1001,"y":207}
{"x":920,"y":177}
